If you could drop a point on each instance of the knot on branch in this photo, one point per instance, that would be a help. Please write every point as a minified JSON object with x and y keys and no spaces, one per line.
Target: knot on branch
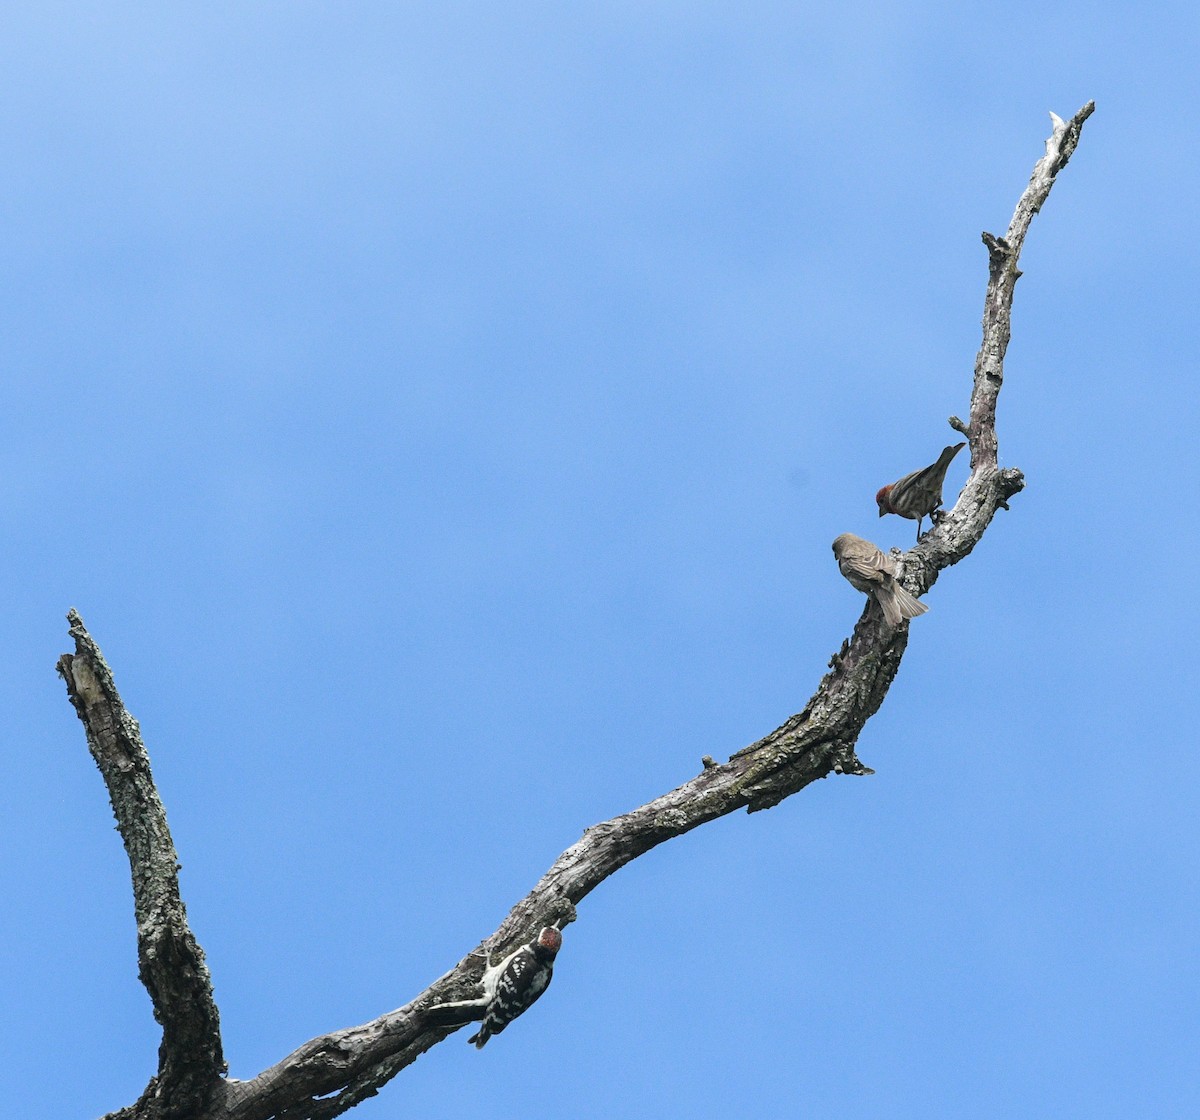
{"x":1010,"y":481}
{"x":845,"y":761}
{"x":671,"y":821}
{"x":1000,"y":252}
{"x":561,"y":911}
{"x":836,"y":660}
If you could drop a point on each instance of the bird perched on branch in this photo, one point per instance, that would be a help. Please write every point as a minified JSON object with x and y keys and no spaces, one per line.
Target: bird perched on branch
{"x":509,"y":988}
{"x":874,"y":573}
{"x":917,"y":495}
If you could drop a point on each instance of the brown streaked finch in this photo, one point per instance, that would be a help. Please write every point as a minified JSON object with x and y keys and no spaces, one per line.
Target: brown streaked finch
{"x":873,"y":572}
{"x":917,"y":495}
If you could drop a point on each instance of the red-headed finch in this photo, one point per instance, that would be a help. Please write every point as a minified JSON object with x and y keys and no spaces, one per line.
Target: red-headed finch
{"x":917,"y":495}
{"x":874,"y":573}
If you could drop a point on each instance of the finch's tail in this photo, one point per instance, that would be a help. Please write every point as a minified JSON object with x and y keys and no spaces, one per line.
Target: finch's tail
{"x":943,"y":463}
{"x":900,"y":604}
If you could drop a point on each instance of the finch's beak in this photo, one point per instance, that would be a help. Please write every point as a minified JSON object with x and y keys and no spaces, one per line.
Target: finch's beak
{"x":883,"y":513}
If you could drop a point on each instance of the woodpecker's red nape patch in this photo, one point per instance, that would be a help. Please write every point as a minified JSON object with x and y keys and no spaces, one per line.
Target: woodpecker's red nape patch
{"x":550,"y":939}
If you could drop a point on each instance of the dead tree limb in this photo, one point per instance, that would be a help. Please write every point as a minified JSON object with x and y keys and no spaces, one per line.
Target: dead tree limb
{"x":331,"y":1073}
{"x":170,"y":962}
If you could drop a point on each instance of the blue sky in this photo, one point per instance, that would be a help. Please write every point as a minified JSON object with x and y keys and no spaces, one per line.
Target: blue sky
{"x":440,"y":415}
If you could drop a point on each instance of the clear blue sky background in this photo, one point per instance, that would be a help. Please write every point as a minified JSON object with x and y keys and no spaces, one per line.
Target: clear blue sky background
{"x":440,"y":415}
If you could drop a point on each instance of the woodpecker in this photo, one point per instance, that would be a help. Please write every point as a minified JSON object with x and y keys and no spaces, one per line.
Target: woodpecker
{"x":509,"y":988}
{"x":917,"y":495}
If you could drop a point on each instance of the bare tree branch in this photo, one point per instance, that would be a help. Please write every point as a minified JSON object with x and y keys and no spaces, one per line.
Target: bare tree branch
{"x":332,"y":1073}
{"x":1003,"y":273}
{"x":170,"y":962}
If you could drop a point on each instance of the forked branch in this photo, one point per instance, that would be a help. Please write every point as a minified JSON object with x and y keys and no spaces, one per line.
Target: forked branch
{"x":331,"y":1073}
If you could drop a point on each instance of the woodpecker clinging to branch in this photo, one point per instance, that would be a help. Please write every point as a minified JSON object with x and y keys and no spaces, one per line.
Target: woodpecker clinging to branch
{"x":509,"y":988}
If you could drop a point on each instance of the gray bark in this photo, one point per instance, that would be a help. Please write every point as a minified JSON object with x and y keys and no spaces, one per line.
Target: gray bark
{"x":330,"y":1074}
{"x":170,"y":961}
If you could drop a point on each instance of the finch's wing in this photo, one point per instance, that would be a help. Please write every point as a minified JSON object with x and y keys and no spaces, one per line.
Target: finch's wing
{"x":872,"y":569}
{"x":920,"y":482}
